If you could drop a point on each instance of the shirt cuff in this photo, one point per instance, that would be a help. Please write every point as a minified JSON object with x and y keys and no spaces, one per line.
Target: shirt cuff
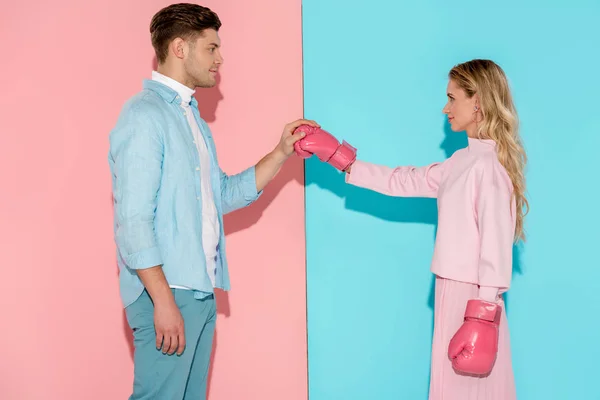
{"x":146,"y":258}
{"x":488,"y":293}
{"x":248,"y":183}
{"x":354,"y":173}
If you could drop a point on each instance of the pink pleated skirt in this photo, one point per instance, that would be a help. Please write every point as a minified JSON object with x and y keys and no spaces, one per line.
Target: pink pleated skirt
{"x":450,"y":300}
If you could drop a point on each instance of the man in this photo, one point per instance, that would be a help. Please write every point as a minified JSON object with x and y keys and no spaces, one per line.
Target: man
{"x":169,"y":199}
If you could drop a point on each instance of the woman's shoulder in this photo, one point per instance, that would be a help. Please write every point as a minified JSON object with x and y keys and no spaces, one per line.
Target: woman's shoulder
{"x":489,"y":170}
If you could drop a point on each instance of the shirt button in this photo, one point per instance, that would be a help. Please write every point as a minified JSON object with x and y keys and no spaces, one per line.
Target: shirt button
{"x":198,"y":198}
{"x":197,"y":168}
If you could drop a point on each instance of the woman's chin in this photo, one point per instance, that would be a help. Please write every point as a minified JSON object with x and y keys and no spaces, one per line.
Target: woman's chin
{"x":455,"y":127}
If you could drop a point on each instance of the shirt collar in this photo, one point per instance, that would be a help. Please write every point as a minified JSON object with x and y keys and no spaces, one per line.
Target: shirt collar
{"x":170,"y":89}
{"x":476,"y":144}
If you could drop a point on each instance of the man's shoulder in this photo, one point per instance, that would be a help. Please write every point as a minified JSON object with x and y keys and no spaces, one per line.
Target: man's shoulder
{"x":143,"y":113}
{"x":145,"y":103}
{"x":144,"y":108}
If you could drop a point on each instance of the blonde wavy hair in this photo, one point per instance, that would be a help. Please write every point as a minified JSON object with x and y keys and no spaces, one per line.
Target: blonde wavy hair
{"x":499,"y":122}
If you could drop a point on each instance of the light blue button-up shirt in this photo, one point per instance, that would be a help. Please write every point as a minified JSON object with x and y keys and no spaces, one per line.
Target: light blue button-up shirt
{"x":156,"y":190}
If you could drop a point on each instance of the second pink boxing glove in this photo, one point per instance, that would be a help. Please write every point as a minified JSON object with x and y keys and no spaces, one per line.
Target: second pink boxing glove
{"x":474,"y":347}
{"x":325,"y":146}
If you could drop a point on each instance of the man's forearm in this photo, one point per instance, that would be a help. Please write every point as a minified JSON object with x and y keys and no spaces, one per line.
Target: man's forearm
{"x":156,"y":284}
{"x":268,"y":167}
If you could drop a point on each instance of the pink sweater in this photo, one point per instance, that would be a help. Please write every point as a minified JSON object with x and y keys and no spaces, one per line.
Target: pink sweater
{"x":476,"y":219}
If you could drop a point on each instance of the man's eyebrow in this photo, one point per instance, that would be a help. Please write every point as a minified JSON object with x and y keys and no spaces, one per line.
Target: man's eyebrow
{"x":214,"y":44}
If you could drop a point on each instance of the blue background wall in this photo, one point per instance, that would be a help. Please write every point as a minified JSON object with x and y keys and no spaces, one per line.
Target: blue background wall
{"x":375,"y":75}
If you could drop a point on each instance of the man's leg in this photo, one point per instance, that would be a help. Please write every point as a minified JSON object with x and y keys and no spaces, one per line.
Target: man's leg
{"x":158,"y":375}
{"x":198,"y":378}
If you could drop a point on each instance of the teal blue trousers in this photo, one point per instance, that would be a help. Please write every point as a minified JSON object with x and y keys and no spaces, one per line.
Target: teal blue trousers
{"x":159,"y":376}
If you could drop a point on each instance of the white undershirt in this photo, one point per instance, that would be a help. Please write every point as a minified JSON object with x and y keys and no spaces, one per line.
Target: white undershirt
{"x":210,"y":220}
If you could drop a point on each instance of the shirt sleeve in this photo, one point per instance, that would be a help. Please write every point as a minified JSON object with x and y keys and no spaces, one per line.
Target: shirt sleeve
{"x":136,"y":152}
{"x":406,"y":181}
{"x":238,"y":191}
{"x":495,"y":210}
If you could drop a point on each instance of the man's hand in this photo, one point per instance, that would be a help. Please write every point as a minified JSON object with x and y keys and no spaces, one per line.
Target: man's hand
{"x":168,"y":324}
{"x":269,"y":165}
{"x":288,"y":138}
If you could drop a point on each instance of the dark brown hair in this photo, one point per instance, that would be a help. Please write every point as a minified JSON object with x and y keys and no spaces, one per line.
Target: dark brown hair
{"x":183,"y":20}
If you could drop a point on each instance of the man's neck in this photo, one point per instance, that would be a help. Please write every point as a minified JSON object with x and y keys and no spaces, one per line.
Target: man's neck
{"x":172,"y":73}
{"x":184,"y":92}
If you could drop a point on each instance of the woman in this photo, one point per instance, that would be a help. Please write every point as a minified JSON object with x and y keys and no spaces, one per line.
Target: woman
{"x":481,"y":201}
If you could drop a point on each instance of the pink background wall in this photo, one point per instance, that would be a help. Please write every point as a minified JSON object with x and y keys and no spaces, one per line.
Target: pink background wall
{"x":67,"y":68}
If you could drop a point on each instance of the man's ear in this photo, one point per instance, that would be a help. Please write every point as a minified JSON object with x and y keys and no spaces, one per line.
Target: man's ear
{"x":178,"y":47}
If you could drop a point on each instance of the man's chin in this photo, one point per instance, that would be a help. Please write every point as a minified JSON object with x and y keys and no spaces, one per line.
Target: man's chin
{"x":207,"y":83}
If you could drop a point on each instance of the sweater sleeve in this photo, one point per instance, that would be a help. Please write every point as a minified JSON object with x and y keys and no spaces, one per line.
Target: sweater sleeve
{"x":495,"y":210}
{"x":407,"y":181}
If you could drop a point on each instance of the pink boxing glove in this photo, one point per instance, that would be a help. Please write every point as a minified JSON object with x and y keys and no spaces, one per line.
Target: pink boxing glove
{"x":474,"y":346}
{"x":325,"y":146}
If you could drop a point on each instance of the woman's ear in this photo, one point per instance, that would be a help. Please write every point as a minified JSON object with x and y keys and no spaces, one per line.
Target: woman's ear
{"x":476,"y":106}
{"x":477,"y":114}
